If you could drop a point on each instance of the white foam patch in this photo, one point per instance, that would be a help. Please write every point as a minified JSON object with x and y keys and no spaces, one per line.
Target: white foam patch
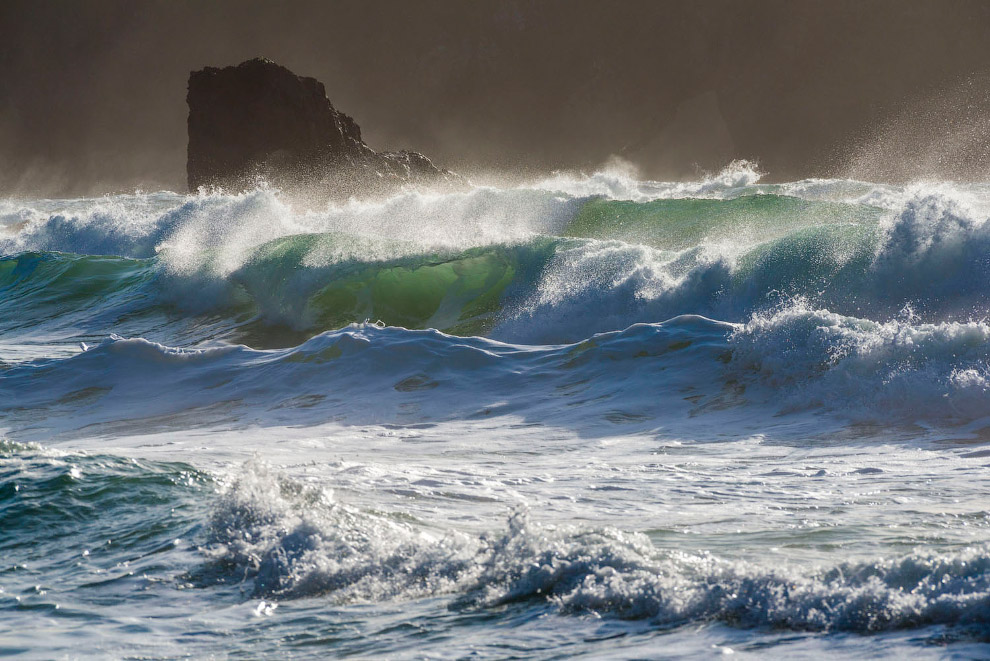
{"x":898,"y":370}
{"x":619,"y":182}
{"x":292,"y":541}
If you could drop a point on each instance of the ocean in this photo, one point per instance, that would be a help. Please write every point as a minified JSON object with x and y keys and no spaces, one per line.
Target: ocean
{"x":585,"y":417}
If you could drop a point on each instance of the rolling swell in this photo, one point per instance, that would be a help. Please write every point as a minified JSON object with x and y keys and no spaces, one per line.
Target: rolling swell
{"x":691,"y":372}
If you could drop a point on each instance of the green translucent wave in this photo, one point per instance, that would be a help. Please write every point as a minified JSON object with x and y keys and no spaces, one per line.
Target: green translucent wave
{"x":46,"y":289}
{"x":293,"y":287}
{"x":303,"y":281}
{"x":286,"y":291}
{"x":682,"y":223}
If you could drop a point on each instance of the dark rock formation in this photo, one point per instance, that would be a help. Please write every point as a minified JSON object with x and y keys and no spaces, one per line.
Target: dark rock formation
{"x":258,"y":120}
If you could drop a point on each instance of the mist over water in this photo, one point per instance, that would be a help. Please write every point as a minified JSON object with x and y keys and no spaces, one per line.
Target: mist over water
{"x":883,"y":90}
{"x":584,"y":415}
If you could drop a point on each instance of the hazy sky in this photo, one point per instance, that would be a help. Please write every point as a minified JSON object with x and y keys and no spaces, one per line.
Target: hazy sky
{"x":92,"y":93}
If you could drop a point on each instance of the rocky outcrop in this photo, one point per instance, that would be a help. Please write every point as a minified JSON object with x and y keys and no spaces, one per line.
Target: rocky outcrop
{"x":259,"y":121}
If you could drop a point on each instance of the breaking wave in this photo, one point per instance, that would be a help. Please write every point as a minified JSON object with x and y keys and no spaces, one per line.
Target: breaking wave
{"x":521,"y":265}
{"x":836,"y":296}
{"x":291,"y":541}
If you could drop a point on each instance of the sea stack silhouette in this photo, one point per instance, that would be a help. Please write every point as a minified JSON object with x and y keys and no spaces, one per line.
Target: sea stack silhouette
{"x":260,"y":121}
